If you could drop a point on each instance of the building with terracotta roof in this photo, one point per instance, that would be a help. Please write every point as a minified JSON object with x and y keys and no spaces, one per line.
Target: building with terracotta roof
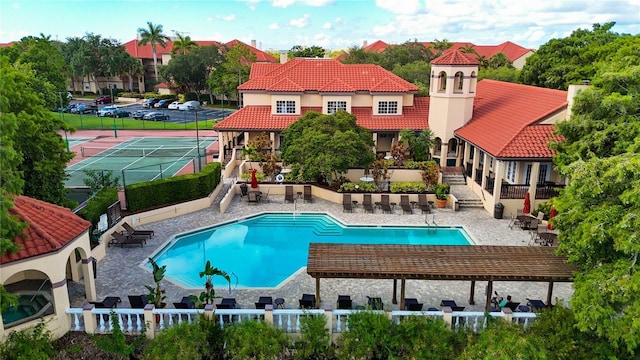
{"x":54,"y":248}
{"x":145,"y":55}
{"x":494,"y":133}
{"x":515,"y":53}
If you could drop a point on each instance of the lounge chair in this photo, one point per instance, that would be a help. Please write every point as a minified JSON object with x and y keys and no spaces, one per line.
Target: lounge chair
{"x":230,"y":302}
{"x":138,"y":301}
{"x":307,"y":194}
{"x":384,"y":203}
{"x":253,"y":198}
{"x":121,"y":239}
{"x":424,"y":204}
{"x":288,"y":193}
{"x":452,"y":304}
{"x":414,"y":307}
{"x":344,"y":302}
{"x":367,"y":205}
{"x":347,"y":205}
{"x":132,"y":231}
{"x":375,"y":303}
{"x":512,"y":305}
{"x":109,"y":302}
{"x":264,"y":301}
{"x":185,"y":303}
{"x":308,"y":301}
{"x":405,"y":204}
{"x":536,"y":304}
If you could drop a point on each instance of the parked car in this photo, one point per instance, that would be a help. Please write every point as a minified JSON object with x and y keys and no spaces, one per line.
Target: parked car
{"x":189,"y":105}
{"x":138,"y":114}
{"x":148,"y":103}
{"x":120,"y":113}
{"x":107,"y":111}
{"x":70,"y":107}
{"x":156,"y":116}
{"x":163,"y":103}
{"x":174,"y":105}
{"x":84,"y":109}
{"x":103,"y":99}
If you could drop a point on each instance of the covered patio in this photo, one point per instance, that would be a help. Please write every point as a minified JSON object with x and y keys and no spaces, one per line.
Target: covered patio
{"x":453,"y":263}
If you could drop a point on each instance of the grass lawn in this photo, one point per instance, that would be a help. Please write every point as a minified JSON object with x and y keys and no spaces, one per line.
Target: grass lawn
{"x":92,"y":122}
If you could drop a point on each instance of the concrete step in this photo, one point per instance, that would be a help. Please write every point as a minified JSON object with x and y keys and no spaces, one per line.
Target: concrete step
{"x":470,"y":203}
{"x":453,"y":179}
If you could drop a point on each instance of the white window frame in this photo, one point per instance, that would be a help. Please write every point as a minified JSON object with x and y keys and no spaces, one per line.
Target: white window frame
{"x":387,"y":107}
{"x":285,"y":107}
{"x":511,"y":172}
{"x":334,"y":106}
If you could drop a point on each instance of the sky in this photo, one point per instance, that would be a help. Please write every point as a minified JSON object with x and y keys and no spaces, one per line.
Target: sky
{"x":331,"y":24}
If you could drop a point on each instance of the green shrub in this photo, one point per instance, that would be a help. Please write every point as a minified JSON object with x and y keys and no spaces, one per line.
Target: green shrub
{"x":259,"y":176}
{"x":420,"y":337}
{"x":408,"y":187}
{"x":504,"y":341}
{"x":251,"y":339}
{"x":116,"y":342}
{"x":29,"y":344}
{"x":184,"y":341}
{"x":369,"y":337}
{"x":98,"y":204}
{"x":176,"y":189}
{"x":315,"y":340}
{"x":357,"y":187}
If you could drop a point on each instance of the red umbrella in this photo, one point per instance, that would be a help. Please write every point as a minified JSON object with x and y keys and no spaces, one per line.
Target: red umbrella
{"x":552,"y":214}
{"x":527,"y":204}
{"x":254,"y":181}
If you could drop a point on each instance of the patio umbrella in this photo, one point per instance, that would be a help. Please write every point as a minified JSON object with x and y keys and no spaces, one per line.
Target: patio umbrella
{"x":254,"y":181}
{"x":527,"y":204}
{"x":552,"y":214}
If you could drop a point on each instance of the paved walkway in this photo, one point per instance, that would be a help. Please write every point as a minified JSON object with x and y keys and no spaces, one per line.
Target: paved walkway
{"x":120,"y":273}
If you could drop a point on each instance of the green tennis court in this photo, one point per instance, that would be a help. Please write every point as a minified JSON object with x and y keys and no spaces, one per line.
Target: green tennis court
{"x":78,"y":140}
{"x":141,"y":159}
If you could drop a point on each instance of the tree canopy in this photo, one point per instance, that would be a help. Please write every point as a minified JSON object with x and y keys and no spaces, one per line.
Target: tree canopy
{"x":308,"y":52}
{"x":327,"y":145}
{"x":191,"y":71}
{"x":153,"y":36}
{"x":598,"y":210}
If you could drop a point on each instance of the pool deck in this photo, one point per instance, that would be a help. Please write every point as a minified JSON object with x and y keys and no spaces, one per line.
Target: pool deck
{"x":120,"y":273}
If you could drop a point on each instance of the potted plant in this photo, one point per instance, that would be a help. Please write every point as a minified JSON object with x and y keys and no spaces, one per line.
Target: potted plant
{"x":208,"y":296}
{"x":442,"y":192}
{"x":156,"y":294}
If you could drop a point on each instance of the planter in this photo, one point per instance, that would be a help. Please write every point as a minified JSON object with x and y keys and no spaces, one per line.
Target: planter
{"x":441,"y":203}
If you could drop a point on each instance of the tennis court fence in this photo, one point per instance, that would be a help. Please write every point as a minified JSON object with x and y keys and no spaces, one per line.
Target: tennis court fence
{"x":168,"y":152}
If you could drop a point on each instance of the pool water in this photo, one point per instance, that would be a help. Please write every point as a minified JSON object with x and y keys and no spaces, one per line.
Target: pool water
{"x":264,"y":250}
{"x":28,"y":306}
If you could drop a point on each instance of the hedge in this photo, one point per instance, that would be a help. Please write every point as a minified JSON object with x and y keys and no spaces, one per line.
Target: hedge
{"x":149,"y":194}
{"x":98,"y":204}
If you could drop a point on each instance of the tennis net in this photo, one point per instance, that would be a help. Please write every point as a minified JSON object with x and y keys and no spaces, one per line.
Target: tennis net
{"x":171,"y":152}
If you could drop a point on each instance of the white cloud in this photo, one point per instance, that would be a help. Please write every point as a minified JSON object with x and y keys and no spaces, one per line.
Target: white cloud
{"x":282,"y":3}
{"x":314,"y":3}
{"x":301,"y":22}
{"x":209,"y":19}
{"x":231,"y":17}
{"x":16,"y":6}
{"x":274,"y":26}
{"x":400,"y":7}
{"x":326,"y":26}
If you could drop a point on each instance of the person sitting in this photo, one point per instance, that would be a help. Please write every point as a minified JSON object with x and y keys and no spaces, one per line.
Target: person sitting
{"x":504,"y":302}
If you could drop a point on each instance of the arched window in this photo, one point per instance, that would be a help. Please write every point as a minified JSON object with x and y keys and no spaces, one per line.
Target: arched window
{"x":458,"y":82}
{"x":452,"y":147}
{"x":442,"y":81}
{"x":472,"y":82}
{"x":438,"y":146}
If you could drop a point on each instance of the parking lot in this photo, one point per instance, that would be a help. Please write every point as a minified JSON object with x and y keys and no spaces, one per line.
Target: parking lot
{"x":175,"y":116}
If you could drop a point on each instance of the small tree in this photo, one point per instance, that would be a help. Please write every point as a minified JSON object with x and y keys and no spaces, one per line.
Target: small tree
{"x":209,"y":295}
{"x":156,"y":294}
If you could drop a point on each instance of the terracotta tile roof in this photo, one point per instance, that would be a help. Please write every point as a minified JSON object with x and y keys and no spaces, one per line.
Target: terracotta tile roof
{"x":502,"y":111}
{"x":50,"y":228}
{"x":531,"y":142}
{"x":144,"y":52}
{"x":284,"y":85}
{"x":261,"y":56}
{"x":252,"y":118}
{"x":337,"y":85}
{"x":260,"y":69}
{"x":378,"y":46}
{"x":455,"y":57}
{"x":361,"y":77}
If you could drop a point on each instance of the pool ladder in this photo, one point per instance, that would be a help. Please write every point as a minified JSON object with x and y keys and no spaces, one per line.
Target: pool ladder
{"x":237,"y":279}
{"x":433,"y":220}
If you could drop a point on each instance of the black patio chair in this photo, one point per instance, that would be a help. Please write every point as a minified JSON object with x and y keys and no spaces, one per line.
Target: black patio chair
{"x":344,"y":302}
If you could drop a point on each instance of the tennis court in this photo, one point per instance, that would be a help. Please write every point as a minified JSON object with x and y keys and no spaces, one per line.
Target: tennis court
{"x":141,"y":159}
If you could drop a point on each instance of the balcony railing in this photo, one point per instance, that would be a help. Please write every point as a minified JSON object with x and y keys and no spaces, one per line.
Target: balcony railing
{"x":519,"y":191}
{"x":489,"y":184}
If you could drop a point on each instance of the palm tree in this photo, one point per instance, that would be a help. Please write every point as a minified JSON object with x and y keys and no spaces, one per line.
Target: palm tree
{"x":468,"y":49}
{"x":183,"y":44}
{"x":153,"y":36}
{"x":209,"y":295}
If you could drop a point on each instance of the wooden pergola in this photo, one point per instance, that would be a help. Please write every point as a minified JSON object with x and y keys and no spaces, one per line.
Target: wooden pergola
{"x":422,"y":262}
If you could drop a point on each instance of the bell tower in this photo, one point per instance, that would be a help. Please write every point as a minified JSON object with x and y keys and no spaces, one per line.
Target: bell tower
{"x":452,"y":92}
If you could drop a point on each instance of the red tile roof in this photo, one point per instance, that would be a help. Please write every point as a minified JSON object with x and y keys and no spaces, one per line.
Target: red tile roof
{"x":144,"y":52}
{"x":378,"y":46}
{"x":259,"y":118}
{"x":502,"y":114}
{"x":50,"y":228}
{"x":455,"y":57}
{"x":531,"y":142}
{"x":361,"y":77}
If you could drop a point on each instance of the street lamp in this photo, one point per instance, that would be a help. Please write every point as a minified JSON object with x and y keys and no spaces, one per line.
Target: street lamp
{"x":195,"y":111}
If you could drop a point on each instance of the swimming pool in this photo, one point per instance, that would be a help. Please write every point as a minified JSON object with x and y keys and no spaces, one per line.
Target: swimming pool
{"x":264,"y":250}
{"x":30,"y":306}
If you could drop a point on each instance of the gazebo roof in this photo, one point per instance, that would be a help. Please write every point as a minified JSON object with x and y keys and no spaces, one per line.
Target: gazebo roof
{"x":420,"y":262}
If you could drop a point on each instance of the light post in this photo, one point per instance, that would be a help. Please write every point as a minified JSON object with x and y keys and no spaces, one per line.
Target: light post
{"x":195,"y":111}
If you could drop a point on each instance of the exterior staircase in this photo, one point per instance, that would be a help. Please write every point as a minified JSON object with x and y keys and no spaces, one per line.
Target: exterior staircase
{"x":470,"y":203}
{"x":454,"y":179}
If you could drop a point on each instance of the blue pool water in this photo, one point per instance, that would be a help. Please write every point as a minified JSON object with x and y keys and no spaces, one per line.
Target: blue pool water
{"x":264,"y":250}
